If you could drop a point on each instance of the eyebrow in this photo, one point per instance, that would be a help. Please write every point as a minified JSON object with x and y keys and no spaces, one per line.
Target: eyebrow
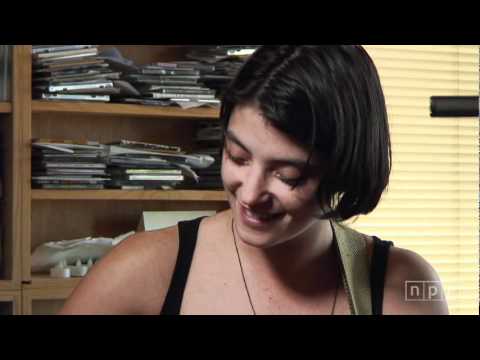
{"x":293,"y":162}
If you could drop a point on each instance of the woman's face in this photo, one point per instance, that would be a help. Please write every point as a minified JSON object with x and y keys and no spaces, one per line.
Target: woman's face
{"x":260,"y":165}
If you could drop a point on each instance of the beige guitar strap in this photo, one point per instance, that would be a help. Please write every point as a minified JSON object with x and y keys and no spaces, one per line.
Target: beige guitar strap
{"x":352,"y":248}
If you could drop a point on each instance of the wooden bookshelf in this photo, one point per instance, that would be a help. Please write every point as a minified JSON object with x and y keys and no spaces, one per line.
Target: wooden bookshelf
{"x":44,"y":281}
{"x":54,"y":215}
{"x":140,"y":195}
{"x":10,"y":302}
{"x":5,"y":107}
{"x":44,"y":301}
{"x":39,"y":216}
{"x":87,"y":108}
{"x":6,"y":285}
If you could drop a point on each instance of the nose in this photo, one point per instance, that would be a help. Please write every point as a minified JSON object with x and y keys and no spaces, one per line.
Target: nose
{"x":254,"y":189}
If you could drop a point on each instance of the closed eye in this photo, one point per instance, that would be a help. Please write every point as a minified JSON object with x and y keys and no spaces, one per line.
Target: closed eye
{"x":291,"y":181}
{"x":237,"y":160}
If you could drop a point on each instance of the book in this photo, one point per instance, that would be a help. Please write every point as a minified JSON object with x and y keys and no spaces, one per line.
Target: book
{"x":73,"y":144}
{"x":69,"y":186}
{"x":125,"y":161}
{"x":69,"y":178}
{"x":76,"y":97}
{"x":75,"y":157}
{"x":157,"y":95}
{"x":195,"y":65}
{"x":38,"y":49}
{"x":73,"y":165}
{"x":163,"y":71}
{"x":127,"y":171}
{"x":68,"y":171}
{"x":117,"y":183}
{"x":146,"y":101}
{"x":176,"y":88}
{"x":199,"y":101}
{"x":67,"y":54}
{"x":64,"y":76}
{"x":171,"y":81}
{"x":92,"y":75}
{"x":194,"y":160}
{"x":52,"y":71}
{"x":69,"y":64}
{"x":138,"y":177}
{"x":81,"y":86}
{"x":130,"y":144}
{"x":183,"y":90}
{"x":141,"y":77}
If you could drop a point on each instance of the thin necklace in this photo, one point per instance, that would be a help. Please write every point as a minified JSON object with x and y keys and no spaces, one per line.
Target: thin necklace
{"x":245,"y":282}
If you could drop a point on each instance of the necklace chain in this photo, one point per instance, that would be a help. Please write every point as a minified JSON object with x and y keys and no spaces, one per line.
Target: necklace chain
{"x":245,"y":282}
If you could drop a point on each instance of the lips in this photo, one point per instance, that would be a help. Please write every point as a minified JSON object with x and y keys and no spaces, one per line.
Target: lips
{"x":256,"y":219}
{"x":258,"y":216}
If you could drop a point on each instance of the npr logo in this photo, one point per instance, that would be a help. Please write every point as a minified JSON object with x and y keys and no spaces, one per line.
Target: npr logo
{"x":423,"y":291}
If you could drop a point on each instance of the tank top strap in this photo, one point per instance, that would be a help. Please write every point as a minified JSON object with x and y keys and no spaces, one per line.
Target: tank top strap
{"x":188,"y":233}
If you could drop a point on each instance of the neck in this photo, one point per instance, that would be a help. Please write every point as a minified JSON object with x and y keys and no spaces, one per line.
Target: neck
{"x":305,"y":264}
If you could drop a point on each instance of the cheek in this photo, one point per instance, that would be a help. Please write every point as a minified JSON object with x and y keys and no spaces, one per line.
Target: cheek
{"x":302,"y":201}
{"x":230,"y":175}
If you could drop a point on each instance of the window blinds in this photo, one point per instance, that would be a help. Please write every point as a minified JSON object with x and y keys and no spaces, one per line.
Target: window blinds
{"x":431,"y":205}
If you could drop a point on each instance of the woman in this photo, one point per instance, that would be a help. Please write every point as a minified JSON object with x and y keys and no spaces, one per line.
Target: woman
{"x":306,"y":146}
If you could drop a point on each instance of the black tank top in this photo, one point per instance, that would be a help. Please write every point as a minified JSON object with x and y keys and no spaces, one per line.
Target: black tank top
{"x":188,"y":232}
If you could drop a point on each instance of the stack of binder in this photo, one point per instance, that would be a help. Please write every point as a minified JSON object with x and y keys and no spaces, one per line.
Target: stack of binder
{"x":63,"y":164}
{"x":72,"y":72}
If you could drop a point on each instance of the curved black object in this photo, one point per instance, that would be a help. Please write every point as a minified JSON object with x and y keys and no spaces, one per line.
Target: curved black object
{"x":454,"y":106}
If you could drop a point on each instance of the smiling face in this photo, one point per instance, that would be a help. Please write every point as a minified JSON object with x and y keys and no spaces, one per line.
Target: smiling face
{"x":260,"y":166}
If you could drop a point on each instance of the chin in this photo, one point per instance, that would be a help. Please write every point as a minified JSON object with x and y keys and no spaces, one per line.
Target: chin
{"x":262,"y":238}
{"x":254,"y":239}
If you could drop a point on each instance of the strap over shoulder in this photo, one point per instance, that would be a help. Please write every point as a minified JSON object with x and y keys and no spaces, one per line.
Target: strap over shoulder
{"x":354,"y":258}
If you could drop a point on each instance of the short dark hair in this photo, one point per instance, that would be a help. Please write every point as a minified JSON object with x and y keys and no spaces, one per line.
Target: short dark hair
{"x":330,"y":99}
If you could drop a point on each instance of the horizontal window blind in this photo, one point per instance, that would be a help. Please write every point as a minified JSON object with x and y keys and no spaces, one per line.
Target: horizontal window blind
{"x":431,"y":204}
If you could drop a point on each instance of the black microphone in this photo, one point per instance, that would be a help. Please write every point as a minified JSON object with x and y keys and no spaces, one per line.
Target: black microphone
{"x":454,"y":106}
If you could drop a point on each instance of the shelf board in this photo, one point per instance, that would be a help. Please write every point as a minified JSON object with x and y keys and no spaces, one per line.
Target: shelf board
{"x":39,"y":106}
{"x":5,"y":107}
{"x":159,"y":195}
{"x":6,"y":285}
{"x":43,"y":281}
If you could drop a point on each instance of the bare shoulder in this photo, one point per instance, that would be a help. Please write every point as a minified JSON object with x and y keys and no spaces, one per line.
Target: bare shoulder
{"x":217,"y":222}
{"x":405,"y":265}
{"x":132,"y":279}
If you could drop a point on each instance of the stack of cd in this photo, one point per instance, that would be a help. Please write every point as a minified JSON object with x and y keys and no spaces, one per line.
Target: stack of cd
{"x":72,"y":72}
{"x":209,"y":141}
{"x":171,"y":83}
{"x":125,"y":164}
{"x":64,"y":164}
{"x":197,"y":81}
{"x":134,"y":165}
{"x":224,"y":61}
